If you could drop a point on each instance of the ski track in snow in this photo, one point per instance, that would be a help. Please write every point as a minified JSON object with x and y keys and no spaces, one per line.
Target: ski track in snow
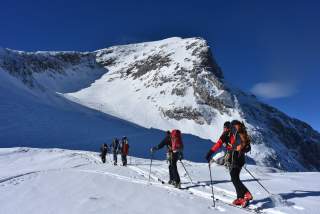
{"x":225,"y":196}
{"x":91,"y":164}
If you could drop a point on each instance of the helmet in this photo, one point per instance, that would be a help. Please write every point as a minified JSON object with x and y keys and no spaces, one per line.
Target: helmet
{"x":235,"y":122}
{"x":227,"y":125}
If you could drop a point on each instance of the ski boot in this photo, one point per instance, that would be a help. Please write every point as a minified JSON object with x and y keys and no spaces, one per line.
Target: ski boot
{"x":238,"y":201}
{"x":244,"y":203}
{"x":177,"y":185}
{"x":248,"y":196}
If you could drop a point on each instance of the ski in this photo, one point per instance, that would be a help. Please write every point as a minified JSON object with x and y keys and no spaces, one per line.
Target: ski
{"x":253,"y":210}
{"x":186,"y":188}
{"x":195,"y":192}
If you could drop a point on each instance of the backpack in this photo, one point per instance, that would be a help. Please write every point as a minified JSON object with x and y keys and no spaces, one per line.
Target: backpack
{"x":245,"y":138}
{"x":176,"y":140}
{"x":115,"y":145}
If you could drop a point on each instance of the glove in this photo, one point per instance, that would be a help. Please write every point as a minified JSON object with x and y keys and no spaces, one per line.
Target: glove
{"x":208,"y":156}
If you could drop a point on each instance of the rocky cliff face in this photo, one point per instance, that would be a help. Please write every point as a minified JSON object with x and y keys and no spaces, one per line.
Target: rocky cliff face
{"x":172,"y":83}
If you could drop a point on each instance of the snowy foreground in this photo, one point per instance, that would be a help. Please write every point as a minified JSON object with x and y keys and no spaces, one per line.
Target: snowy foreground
{"x":65,"y":181}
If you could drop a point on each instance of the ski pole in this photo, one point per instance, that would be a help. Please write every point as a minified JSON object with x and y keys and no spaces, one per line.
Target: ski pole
{"x":150,"y":166}
{"x":213,"y":201}
{"x":186,"y":171}
{"x":257,"y":181}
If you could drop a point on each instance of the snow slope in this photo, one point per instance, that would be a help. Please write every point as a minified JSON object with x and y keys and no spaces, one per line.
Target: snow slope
{"x":44,"y":119}
{"x":172,"y":83}
{"x":64,"y":181}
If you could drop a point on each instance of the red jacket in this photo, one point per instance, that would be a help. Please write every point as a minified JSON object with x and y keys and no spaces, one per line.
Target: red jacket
{"x":125,"y":149}
{"x":228,"y":138}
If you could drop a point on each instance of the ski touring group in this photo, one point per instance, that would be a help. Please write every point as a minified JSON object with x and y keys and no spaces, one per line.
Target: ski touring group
{"x":234,"y":140}
{"x":117,"y":147}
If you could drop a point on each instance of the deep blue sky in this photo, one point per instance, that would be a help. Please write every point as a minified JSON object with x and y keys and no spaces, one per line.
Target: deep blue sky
{"x":270,"y":43}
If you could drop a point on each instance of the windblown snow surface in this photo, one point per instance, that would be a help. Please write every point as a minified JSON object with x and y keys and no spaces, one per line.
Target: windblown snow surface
{"x":43,"y":181}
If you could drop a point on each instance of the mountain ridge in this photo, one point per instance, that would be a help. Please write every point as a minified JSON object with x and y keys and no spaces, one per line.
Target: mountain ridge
{"x":171,"y":83}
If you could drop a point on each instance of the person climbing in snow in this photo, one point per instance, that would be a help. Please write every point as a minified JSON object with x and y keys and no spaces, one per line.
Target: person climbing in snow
{"x":124,"y":150}
{"x":104,"y":151}
{"x":115,"y":149}
{"x":174,"y":146}
{"x":165,"y":142}
{"x":237,"y":143}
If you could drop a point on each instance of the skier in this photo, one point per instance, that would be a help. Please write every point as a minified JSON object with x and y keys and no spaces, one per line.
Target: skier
{"x":237,"y":143}
{"x":174,"y":146}
{"x":104,"y":151}
{"x":115,"y":149}
{"x":124,"y":150}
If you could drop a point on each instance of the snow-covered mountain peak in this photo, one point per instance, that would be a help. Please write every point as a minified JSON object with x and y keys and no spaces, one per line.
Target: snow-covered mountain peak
{"x":177,"y":78}
{"x":167,"y":57}
{"x":172,"y":83}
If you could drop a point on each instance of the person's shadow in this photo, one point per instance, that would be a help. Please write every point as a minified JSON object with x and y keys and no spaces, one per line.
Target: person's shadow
{"x":282,"y":199}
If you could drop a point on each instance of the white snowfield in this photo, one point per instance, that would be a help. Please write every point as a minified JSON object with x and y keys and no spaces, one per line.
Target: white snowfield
{"x":66,"y":181}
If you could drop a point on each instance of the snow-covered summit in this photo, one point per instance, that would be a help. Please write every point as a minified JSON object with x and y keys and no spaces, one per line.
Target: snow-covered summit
{"x":172,"y":83}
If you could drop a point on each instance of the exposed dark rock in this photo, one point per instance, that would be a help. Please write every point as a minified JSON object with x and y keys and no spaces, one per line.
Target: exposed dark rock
{"x":108,"y":62}
{"x":23,"y":64}
{"x":184,"y":113}
{"x":207,"y":61}
{"x":154,"y":62}
{"x":179,"y":91}
{"x":307,"y":149}
{"x":301,"y":141}
{"x":71,"y":58}
{"x":192,"y":45}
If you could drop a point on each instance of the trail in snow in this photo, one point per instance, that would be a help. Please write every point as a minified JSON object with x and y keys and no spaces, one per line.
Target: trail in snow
{"x":75,"y":181}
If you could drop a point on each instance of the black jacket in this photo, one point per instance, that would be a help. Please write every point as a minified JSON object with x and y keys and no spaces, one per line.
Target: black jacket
{"x":165,"y":142}
{"x":104,"y":149}
{"x":236,"y":159}
{"x":115,"y":146}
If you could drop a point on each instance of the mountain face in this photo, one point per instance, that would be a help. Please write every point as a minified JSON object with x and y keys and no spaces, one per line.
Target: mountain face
{"x":172,"y":83}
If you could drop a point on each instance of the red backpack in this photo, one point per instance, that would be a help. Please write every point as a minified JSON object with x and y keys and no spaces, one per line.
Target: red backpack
{"x":176,"y":140}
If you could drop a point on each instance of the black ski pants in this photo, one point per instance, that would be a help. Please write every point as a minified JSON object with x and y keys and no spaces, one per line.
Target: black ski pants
{"x":115,"y":157}
{"x":173,"y":170}
{"x":241,"y":189}
{"x":124,"y":160}
{"x":103,"y":157}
